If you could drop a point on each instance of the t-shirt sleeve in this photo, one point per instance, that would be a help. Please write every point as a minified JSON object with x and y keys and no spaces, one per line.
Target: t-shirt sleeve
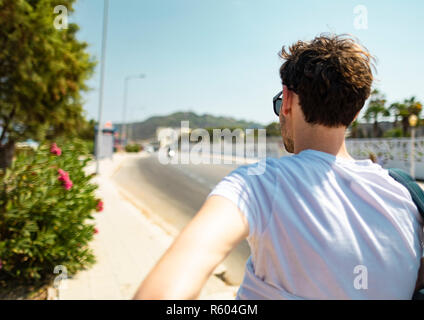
{"x":236,"y":188}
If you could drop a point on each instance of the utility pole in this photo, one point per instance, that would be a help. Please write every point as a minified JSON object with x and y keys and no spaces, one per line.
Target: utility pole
{"x":124,"y":109}
{"x":102,"y":80}
{"x":413,"y":121}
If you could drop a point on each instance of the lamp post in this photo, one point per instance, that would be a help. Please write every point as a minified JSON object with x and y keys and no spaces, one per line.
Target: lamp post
{"x":130,"y":130}
{"x":124,"y":110}
{"x":413,"y":120}
{"x":102,"y":80}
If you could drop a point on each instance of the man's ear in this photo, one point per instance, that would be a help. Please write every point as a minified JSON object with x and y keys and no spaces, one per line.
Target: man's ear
{"x":287,"y":101}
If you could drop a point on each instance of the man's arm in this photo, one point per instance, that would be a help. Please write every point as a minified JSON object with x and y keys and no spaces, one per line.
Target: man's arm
{"x":185,"y":267}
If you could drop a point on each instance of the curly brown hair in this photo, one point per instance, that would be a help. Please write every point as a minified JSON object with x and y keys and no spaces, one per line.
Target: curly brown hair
{"x":331,"y":75}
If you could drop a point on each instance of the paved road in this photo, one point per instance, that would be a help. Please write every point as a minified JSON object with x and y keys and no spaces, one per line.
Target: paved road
{"x":176,"y":192}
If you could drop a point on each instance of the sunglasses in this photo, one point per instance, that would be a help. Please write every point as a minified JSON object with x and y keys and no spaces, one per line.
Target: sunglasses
{"x":277,"y":101}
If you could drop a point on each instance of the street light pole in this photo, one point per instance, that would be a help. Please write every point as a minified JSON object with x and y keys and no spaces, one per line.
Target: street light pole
{"x":124,"y":109}
{"x":413,"y":120}
{"x":102,"y":78}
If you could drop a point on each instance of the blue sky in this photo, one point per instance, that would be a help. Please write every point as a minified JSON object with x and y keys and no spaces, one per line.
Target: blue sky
{"x":221,"y":56}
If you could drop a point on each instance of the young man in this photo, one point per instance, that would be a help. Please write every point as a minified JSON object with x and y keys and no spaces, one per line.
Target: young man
{"x":320,"y":224}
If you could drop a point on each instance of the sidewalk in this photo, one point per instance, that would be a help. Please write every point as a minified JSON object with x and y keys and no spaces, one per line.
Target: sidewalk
{"x":126,"y":248}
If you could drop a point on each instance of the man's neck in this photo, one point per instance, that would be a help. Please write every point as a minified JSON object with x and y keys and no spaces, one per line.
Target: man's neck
{"x":320,"y":138}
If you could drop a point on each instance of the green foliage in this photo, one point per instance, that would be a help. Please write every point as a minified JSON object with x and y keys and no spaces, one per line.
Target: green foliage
{"x":133,"y":148}
{"x":25,"y":151}
{"x":43,"y":71}
{"x":42,"y":224}
{"x":376,"y":107}
{"x":413,"y":106}
{"x":375,"y":110}
{"x":393,"y":133}
{"x":399,"y":109}
{"x":90,"y":146}
{"x":354,"y":132}
{"x":86,"y":131}
{"x":273,"y":129}
{"x":404,"y":110}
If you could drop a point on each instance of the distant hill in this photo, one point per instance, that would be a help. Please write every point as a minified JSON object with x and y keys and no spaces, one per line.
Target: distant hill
{"x":147,"y":128}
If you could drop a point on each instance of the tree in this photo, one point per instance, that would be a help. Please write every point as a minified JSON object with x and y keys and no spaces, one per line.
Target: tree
{"x":404,"y":110}
{"x":354,"y":129}
{"x":42,"y":74}
{"x":398,"y":109}
{"x":376,"y":109}
{"x":414,"y":106}
{"x":273,"y":129}
{"x":86,"y":132}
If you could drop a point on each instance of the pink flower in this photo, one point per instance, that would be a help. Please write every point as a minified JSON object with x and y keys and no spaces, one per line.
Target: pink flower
{"x":99,"y":207}
{"x":96,"y":231}
{"x":64,"y":177}
{"x":55,"y":149}
{"x":68,"y":185}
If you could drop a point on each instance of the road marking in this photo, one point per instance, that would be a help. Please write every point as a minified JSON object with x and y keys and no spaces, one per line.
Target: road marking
{"x":195,"y":177}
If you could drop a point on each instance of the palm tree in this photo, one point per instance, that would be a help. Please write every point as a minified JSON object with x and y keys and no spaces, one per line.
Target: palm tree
{"x":376,"y":108}
{"x":397,"y":109}
{"x":401,"y":110}
{"x":413,"y":105}
{"x":404,"y":110}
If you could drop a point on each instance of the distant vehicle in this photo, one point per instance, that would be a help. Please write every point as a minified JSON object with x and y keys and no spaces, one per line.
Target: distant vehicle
{"x":150,"y":149}
{"x":171,"y":153}
{"x":155,"y":145}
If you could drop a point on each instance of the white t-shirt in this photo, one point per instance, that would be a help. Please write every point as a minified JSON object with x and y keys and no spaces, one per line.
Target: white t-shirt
{"x":326,"y":227}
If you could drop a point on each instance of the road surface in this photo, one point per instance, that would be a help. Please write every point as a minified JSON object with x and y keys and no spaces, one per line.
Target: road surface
{"x":176,"y":192}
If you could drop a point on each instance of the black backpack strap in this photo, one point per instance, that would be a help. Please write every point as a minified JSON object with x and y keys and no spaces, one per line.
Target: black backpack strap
{"x":414,"y":189}
{"x":417,"y":195}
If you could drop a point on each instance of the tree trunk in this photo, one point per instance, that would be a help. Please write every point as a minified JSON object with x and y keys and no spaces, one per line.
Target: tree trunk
{"x":405,"y":126}
{"x":6,"y":154}
{"x":375,"y":129}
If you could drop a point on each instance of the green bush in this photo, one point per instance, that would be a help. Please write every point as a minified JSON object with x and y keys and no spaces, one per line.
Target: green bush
{"x":44,"y":219}
{"x":394,"y":133}
{"x":27,"y":151}
{"x":90,"y":146}
{"x":132,"y":148}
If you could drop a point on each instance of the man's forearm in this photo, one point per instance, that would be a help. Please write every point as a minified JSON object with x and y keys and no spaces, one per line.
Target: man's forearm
{"x":202,"y":245}
{"x":178,"y":275}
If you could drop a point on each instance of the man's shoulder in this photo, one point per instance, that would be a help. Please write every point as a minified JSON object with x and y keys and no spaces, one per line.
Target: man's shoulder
{"x":267,"y":168}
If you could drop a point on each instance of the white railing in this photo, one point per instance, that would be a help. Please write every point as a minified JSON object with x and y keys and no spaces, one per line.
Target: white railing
{"x":391,"y":153}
